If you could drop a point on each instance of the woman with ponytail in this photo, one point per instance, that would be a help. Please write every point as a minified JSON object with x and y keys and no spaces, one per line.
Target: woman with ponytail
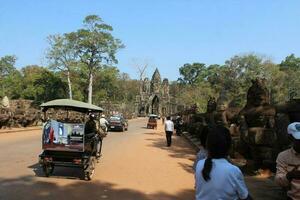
{"x":216,"y":178}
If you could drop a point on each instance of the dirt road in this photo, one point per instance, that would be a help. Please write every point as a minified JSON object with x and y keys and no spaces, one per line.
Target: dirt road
{"x":136,"y":165}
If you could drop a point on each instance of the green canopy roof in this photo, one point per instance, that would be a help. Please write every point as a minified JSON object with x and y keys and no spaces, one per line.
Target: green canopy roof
{"x":71,"y":104}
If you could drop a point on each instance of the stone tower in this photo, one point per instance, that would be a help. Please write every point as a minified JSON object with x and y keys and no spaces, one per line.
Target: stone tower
{"x":155,"y":97}
{"x":155,"y":82}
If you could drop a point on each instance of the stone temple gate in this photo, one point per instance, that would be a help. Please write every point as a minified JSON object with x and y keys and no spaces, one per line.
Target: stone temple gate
{"x":154,"y":97}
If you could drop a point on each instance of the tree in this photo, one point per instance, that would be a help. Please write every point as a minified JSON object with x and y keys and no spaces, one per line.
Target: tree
{"x":13,"y":84}
{"x":192,"y":73}
{"x":239,"y":71}
{"x":106,"y":83}
{"x":40,"y":84}
{"x":94,"y":46}
{"x":291,"y":62}
{"x":61,"y":56}
{"x":291,"y":66}
{"x":215,"y":76}
{"x":7,"y":66}
{"x":141,"y":68}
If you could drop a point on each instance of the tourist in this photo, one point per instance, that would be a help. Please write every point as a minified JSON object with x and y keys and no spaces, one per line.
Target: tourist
{"x":202,"y":154}
{"x":216,"y":178}
{"x":288,"y":164}
{"x":169,"y":129}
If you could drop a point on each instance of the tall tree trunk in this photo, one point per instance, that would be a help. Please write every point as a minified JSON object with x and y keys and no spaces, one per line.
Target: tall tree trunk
{"x":90,"y":89}
{"x":70,"y":85}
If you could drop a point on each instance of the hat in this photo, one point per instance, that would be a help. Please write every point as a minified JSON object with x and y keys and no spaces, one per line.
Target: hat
{"x":102,"y":115}
{"x":294,"y":130}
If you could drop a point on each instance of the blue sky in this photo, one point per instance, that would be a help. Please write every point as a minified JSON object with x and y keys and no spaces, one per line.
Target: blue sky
{"x":164,"y":33}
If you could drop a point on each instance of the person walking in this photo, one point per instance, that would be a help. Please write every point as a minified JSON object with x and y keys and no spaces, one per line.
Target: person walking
{"x":169,"y":129}
{"x":288,"y":164}
{"x":215,"y":177}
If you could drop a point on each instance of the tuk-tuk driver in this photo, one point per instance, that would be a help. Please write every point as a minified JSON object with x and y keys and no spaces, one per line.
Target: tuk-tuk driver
{"x":93,"y":126}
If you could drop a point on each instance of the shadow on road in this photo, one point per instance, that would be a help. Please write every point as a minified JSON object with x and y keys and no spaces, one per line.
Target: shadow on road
{"x":40,"y":188}
{"x":179,"y":149}
{"x":59,"y":172}
{"x":264,"y":189}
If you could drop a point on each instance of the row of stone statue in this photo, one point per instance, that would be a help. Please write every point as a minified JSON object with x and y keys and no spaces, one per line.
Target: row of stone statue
{"x":18,"y":113}
{"x":258,"y":129}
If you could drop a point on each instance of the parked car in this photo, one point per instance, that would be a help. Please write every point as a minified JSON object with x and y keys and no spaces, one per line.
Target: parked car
{"x":118,"y":123}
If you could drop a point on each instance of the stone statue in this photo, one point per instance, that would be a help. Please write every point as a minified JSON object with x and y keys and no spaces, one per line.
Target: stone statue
{"x":211,"y":105}
{"x":5,"y":113}
{"x":155,"y":82}
{"x":146,"y":86}
{"x":165,"y":85}
{"x":5,"y":102}
{"x":257,"y":125}
{"x":287,"y":113}
{"x":221,"y":108}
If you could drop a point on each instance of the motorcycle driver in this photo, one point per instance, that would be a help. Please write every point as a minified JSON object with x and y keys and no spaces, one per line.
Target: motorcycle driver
{"x":103,"y":123}
{"x":92,"y":126}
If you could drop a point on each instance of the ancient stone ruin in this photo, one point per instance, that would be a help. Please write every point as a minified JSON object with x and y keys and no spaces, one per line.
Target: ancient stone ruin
{"x":258,"y":129}
{"x":154,"y":97}
{"x":18,"y":113}
{"x":257,"y":126}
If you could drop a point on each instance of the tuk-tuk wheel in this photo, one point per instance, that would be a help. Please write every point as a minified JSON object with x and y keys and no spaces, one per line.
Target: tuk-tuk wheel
{"x":89,"y":172}
{"x":48,"y":169}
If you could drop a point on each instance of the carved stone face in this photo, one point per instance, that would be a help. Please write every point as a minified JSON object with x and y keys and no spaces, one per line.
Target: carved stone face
{"x":211,"y":105}
{"x":257,"y":94}
{"x":221,"y":107}
{"x":260,"y":98}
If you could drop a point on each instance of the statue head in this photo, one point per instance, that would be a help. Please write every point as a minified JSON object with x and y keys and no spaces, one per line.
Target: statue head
{"x":5,"y":102}
{"x":258,"y":93}
{"x":221,"y":107}
{"x":211,"y":104}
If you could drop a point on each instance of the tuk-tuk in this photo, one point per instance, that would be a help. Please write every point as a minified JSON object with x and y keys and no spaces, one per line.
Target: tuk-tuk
{"x":64,"y":141}
{"x":152,"y":121}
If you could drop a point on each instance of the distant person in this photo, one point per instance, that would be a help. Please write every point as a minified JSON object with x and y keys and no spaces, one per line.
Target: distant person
{"x":216,"y":178}
{"x":202,"y":154}
{"x":163,"y":120}
{"x":103,"y":123}
{"x":169,"y":129}
{"x":179,"y":125}
{"x":288,"y":164}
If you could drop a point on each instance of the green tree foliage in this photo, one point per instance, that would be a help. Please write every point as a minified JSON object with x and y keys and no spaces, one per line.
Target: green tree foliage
{"x":7,"y":65}
{"x":192,"y":73}
{"x":234,"y":78}
{"x":291,"y":67}
{"x":40,"y":84}
{"x":31,"y":82}
{"x":9,"y":77}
